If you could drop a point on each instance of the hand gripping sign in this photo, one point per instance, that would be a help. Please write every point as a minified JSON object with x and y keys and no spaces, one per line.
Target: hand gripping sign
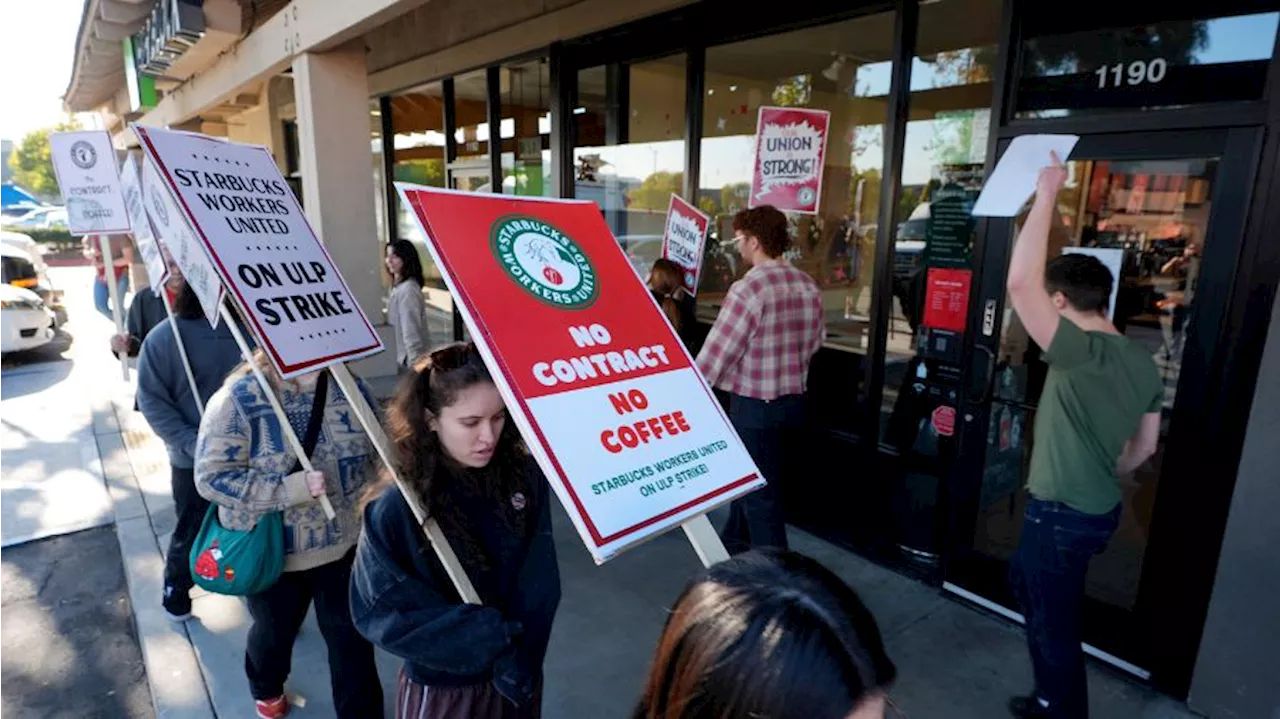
{"x":251,"y":227}
{"x":684,"y":240}
{"x":791,"y":145}
{"x":611,"y":404}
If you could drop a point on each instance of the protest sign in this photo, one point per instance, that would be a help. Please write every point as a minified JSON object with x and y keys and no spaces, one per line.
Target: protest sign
{"x":608,"y":399}
{"x":143,"y":238}
{"x":283,"y":280}
{"x":791,"y":144}
{"x":684,"y":239}
{"x":1016,"y":174}
{"x":187,"y":252}
{"x":85,"y":164}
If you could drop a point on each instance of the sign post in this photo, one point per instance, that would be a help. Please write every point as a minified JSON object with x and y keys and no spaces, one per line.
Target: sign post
{"x":610,"y":402}
{"x":251,"y":230}
{"x":154,"y":261}
{"x":684,"y":240}
{"x":89,"y":179}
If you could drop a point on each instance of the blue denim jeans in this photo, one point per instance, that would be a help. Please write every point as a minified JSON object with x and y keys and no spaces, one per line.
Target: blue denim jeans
{"x":102,"y":295}
{"x":1048,"y":576}
{"x":766,"y":428}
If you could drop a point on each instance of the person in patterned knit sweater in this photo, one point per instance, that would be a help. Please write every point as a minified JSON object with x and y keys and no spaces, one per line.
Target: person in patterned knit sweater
{"x":244,"y":466}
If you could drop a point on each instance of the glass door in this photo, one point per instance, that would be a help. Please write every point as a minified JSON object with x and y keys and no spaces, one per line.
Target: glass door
{"x":1147,"y":206}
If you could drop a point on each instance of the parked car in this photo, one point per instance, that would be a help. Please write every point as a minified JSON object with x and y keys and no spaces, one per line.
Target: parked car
{"x":32,"y":249}
{"x":14,"y":211}
{"x":27,"y":322}
{"x":19,"y":271}
{"x":42,"y":218}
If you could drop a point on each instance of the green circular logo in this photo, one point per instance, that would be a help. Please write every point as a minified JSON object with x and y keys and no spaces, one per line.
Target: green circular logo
{"x":544,"y":261}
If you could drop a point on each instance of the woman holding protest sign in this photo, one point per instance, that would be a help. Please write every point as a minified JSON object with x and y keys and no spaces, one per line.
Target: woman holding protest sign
{"x":666,"y":282}
{"x":406,"y":310}
{"x":244,"y":466}
{"x":457,"y":451}
{"x":768,"y":633}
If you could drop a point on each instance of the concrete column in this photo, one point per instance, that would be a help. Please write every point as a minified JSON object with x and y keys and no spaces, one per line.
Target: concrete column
{"x":1237,"y":669}
{"x":331,"y":93}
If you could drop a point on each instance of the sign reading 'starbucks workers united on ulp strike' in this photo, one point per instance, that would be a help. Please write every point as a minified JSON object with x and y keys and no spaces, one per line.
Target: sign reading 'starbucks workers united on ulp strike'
{"x":606,"y":396}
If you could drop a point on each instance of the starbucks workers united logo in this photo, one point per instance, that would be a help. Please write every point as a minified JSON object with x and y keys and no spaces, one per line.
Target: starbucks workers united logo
{"x":544,"y":261}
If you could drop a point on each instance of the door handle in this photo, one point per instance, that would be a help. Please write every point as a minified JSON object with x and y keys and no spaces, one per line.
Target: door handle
{"x":988,"y":377}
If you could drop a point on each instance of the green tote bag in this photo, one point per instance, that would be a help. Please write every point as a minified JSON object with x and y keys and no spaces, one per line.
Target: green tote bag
{"x":226,"y":561}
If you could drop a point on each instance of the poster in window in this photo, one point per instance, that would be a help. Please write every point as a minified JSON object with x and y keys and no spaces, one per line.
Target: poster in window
{"x":790,"y":146}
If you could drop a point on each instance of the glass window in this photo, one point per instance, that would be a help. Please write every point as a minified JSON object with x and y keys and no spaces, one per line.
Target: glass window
{"x":629,"y":150}
{"x":842,"y":68}
{"x":470,"y":169}
{"x":1170,"y":63}
{"x":949,"y":119}
{"x":525,"y":91}
{"x":418,"y":147}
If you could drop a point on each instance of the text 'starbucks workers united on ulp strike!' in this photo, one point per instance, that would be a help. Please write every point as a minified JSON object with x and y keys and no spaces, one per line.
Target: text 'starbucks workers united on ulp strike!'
{"x":609,"y":400}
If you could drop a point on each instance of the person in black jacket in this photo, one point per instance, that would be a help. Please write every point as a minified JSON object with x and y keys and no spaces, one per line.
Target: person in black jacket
{"x":463,"y":460}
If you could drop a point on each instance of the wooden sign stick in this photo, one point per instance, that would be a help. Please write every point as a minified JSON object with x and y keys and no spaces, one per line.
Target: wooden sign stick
{"x":113,"y":290}
{"x":182,"y":350}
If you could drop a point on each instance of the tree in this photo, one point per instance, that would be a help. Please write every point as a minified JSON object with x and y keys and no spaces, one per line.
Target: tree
{"x":32,"y":163}
{"x":655,"y":192}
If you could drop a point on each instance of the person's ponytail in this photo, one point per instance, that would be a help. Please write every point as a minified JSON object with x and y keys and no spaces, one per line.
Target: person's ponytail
{"x":671,"y":309}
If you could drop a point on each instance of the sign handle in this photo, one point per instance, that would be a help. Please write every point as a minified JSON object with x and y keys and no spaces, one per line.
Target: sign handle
{"x":290,"y":436}
{"x":706,"y":543}
{"x":182,"y":350}
{"x":369,"y":420}
{"x":109,"y":276}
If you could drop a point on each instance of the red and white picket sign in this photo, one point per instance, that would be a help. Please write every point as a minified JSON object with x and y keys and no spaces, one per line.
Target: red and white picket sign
{"x":791,"y":146}
{"x":684,"y":240}
{"x":610,"y":402}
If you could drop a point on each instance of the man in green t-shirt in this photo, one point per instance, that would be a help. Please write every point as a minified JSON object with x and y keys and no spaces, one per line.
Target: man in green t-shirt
{"x":1099,"y":417}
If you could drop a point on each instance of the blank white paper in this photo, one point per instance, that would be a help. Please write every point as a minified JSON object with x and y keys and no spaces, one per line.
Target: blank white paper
{"x":1014,"y":178}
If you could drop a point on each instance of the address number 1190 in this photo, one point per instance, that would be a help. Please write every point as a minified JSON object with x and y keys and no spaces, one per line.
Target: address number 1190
{"x":1135,"y":73}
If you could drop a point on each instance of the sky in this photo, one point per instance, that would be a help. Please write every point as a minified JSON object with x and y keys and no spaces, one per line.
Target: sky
{"x":37,"y":45}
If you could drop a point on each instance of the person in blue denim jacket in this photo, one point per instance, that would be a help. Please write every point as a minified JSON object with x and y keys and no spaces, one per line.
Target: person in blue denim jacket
{"x":457,"y":451}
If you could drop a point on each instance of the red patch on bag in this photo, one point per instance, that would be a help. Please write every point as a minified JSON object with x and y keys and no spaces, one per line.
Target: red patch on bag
{"x":229,"y":574}
{"x":207,"y":562}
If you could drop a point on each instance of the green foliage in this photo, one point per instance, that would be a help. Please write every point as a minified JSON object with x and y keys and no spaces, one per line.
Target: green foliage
{"x":32,"y":163}
{"x":654,"y":193}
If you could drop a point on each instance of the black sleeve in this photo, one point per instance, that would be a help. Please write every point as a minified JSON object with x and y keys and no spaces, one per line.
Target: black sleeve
{"x":400,"y":607}
{"x":534,"y":606}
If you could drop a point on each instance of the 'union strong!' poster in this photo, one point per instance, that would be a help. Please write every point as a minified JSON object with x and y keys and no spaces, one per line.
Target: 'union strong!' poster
{"x":604,"y":393}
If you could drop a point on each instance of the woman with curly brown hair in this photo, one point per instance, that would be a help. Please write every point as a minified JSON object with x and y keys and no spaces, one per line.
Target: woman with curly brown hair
{"x":457,"y":451}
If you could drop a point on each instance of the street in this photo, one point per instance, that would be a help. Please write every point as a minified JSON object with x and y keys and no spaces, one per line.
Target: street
{"x":68,"y":643}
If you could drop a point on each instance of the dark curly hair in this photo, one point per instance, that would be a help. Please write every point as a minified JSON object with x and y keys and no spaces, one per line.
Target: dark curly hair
{"x":1082,"y":279}
{"x":767,"y":224}
{"x":434,"y":383}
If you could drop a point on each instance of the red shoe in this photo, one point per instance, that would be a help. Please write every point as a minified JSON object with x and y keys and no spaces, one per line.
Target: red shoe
{"x":272,"y":708}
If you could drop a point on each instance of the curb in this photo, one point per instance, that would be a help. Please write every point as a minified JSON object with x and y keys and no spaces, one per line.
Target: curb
{"x":174,"y":675}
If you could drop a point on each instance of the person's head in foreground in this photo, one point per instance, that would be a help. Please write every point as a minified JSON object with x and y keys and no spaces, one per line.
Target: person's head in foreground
{"x":768,"y":634}
{"x":761,"y":234}
{"x":1080,"y":286}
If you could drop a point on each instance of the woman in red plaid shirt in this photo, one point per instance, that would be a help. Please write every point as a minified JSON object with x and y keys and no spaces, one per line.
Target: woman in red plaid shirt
{"x":758,"y":352}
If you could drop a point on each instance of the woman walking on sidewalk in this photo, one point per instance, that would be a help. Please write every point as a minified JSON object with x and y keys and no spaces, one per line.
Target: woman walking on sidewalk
{"x":165,"y":399}
{"x":406,"y":310}
{"x":244,"y":466}
{"x":463,"y":459}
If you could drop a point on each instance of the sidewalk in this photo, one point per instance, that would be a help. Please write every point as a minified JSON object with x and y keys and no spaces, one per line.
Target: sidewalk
{"x":954,"y":662}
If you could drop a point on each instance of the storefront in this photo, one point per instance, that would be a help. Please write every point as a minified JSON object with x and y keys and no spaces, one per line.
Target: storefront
{"x":923,"y":399}
{"x":922,"y":414}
